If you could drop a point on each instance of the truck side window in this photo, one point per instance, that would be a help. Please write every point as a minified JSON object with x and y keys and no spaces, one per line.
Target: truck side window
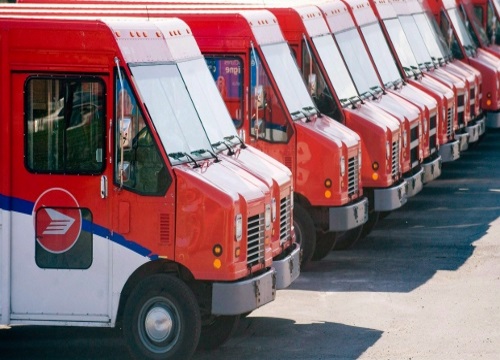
{"x":64,"y":122}
{"x":268,"y":120}
{"x":139,"y":166}
{"x":228,"y":76}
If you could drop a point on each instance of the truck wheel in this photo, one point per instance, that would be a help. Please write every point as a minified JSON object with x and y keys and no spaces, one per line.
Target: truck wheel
{"x":348,"y":238}
{"x":162,"y":319}
{"x":305,"y":233}
{"x":324,"y":244}
{"x":217,"y":330}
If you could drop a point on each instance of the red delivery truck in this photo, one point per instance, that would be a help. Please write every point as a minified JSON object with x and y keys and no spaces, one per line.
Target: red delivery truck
{"x":120,"y":213}
{"x":463,"y":48}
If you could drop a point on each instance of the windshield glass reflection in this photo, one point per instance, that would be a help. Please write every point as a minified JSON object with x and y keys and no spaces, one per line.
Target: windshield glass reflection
{"x":287,"y":76}
{"x":400,"y":43}
{"x":172,"y":111}
{"x":357,"y":60}
{"x":335,"y":67}
{"x":207,"y":100}
{"x":381,"y":53}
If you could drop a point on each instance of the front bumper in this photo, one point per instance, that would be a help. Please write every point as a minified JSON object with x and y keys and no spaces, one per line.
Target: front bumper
{"x":348,"y":217}
{"x":243,"y":296}
{"x":287,"y":268}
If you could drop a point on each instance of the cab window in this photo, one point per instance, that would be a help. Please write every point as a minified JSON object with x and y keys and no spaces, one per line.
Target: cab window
{"x":64,"y":122}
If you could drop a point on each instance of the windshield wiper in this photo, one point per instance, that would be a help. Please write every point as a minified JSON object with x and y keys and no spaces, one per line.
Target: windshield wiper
{"x":230,"y":150}
{"x":308,"y":111}
{"x":375,"y":91}
{"x":200,"y":152}
{"x":296,"y":115}
{"x":390,"y":84}
{"x":231,"y":137}
{"x":398,"y":84}
{"x":179,"y":155}
{"x":353,"y":100}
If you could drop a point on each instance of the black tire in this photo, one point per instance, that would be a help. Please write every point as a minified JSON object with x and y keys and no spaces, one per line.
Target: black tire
{"x":348,"y":238}
{"x":162,"y":319}
{"x":305,"y":233}
{"x":217,"y":330}
{"x":368,"y":226}
{"x":324,"y":244}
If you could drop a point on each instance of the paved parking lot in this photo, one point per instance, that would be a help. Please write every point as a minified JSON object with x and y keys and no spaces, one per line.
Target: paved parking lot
{"x":425,"y":284}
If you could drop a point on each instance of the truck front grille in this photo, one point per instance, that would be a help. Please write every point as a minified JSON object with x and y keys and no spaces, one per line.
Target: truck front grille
{"x":472,"y":102}
{"x":449,"y":121}
{"x":285,"y":219}
{"x":395,"y":158}
{"x":461,"y":110}
{"x":256,"y":229}
{"x":414,"y":145}
{"x":432,"y":134}
{"x":353,"y":176}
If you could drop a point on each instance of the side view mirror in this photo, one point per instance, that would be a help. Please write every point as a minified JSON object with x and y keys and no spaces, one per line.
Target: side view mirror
{"x":125,"y":168}
{"x":312,"y":84}
{"x":259,"y":97}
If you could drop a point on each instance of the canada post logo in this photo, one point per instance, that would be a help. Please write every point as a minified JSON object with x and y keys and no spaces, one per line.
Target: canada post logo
{"x":58,"y":220}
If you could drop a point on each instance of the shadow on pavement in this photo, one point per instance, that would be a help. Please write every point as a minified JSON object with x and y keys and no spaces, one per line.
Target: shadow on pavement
{"x":321,"y":340}
{"x":435,"y":230}
{"x":61,"y":343}
{"x":251,"y":341}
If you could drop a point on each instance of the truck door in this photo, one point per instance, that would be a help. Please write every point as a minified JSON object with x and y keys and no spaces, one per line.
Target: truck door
{"x":60,"y":268}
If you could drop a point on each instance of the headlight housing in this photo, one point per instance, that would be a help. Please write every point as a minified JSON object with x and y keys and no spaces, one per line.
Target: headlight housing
{"x":267,"y":217}
{"x":238,"y":227}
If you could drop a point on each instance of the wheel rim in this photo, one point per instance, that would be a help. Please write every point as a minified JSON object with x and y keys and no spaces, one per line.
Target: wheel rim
{"x":159,"y":325}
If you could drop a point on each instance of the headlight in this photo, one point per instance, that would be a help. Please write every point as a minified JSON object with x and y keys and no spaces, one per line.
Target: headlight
{"x":359,"y":158}
{"x":273,"y":210}
{"x":405,"y":139}
{"x":387,"y":150}
{"x":342,"y":166}
{"x":238,"y":227}
{"x":267,"y":217}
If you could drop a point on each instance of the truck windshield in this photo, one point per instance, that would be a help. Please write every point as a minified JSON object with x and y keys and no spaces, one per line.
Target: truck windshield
{"x":335,"y":68}
{"x":432,"y":39}
{"x":440,"y":39}
{"x":460,"y":29}
{"x":290,"y":83}
{"x":171,"y":108}
{"x":401,"y":45}
{"x":208,"y":101}
{"x":358,"y":61}
{"x":415,"y":39}
{"x":381,"y":53}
